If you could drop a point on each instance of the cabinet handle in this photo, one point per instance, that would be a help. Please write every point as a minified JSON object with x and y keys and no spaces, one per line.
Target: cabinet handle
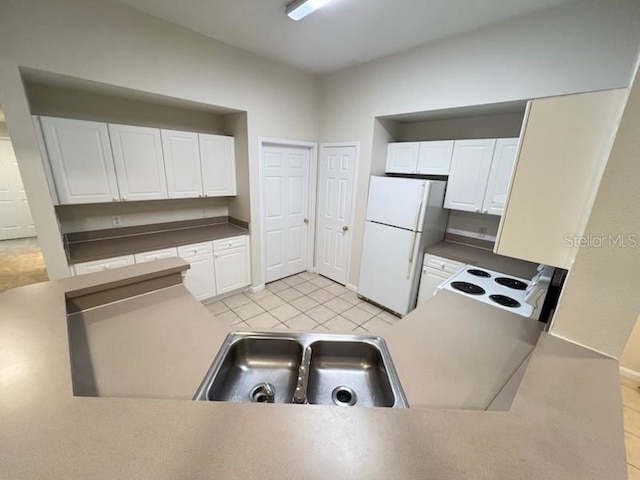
{"x":477,"y":210}
{"x":485,"y":211}
{"x":345,"y":228}
{"x":115,"y":199}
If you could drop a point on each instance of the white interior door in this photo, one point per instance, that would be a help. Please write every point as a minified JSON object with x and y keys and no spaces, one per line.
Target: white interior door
{"x":286,"y":210}
{"x":336,"y":174}
{"x":15,"y":216}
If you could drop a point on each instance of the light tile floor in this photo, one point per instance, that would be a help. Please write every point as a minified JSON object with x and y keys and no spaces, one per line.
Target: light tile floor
{"x":306,"y":301}
{"x":631,"y":411}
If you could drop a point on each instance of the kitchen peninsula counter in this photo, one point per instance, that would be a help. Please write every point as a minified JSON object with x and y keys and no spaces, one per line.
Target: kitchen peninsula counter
{"x":565,"y":421}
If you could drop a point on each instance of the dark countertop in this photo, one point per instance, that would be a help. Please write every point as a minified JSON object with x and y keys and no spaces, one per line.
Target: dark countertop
{"x":85,"y":247}
{"x":482,"y":257}
{"x":565,"y":421}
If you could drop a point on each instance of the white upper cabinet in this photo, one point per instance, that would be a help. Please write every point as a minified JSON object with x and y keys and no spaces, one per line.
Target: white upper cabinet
{"x":470,"y":167}
{"x":402,"y":157}
{"x":81,"y":160}
{"x":137,"y":153}
{"x":504,"y":157}
{"x":182,"y":163}
{"x":564,"y":148}
{"x":434,"y":158}
{"x":427,"y":158}
{"x":217,"y":156}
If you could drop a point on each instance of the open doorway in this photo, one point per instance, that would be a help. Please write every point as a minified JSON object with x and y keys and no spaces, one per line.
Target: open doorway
{"x":21,"y":261}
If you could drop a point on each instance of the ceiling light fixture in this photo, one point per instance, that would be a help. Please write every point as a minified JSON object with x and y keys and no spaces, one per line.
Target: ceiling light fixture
{"x":298,"y":9}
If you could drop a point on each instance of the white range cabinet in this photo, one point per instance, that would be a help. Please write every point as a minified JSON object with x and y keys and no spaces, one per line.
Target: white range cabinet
{"x":480,"y":175}
{"x":422,"y":158}
{"x":435,"y":271}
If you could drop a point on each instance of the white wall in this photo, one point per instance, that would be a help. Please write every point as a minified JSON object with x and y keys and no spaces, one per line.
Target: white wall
{"x":578,"y":47}
{"x":110,"y":43}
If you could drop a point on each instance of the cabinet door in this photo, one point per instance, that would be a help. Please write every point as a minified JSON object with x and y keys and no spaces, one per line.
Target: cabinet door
{"x":81,"y":160}
{"x":218,"y":161}
{"x":564,"y":148}
{"x":106,"y":264}
{"x":429,"y":282}
{"x":231,"y":267}
{"x":156,"y":255}
{"x":137,"y":154}
{"x":435,"y":157}
{"x":182,"y":163}
{"x":403,"y":157}
{"x":500,"y":176}
{"x":470,"y":166}
{"x":200,"y":278}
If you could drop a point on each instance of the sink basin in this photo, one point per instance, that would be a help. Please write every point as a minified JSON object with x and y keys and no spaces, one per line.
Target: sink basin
{"x":348,"y":373}
{"x":322,"y":368}
{"x":251,"y":362}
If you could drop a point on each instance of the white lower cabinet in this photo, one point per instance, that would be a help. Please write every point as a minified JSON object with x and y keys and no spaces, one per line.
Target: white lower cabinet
{"x":200,"y":278}
{"x":435,"y":271}
{"x":231,"y":264}
{"x":104,"y":264}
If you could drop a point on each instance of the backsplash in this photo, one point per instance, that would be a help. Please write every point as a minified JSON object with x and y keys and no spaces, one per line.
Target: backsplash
{"x":100,"y":216}
{"x":473,"y":225}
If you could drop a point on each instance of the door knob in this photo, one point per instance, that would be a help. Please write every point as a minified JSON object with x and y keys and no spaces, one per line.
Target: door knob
{"x":345,"y":228}
{"x":306,"y":220}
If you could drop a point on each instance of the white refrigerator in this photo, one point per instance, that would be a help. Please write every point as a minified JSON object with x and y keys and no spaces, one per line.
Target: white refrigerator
{"x":404,"y":216}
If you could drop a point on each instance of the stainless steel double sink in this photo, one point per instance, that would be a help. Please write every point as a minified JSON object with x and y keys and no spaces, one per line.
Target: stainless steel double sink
{"x":323,"y":369}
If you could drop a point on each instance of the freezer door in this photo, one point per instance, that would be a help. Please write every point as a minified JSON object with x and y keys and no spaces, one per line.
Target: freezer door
{"x":389,"y":267}
{"x":398,"y":202}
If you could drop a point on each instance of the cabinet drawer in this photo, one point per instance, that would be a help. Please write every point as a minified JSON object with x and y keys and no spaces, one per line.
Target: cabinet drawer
{"x":195,"y":249}
{"x":227,"y":243}
{"x":443,"y":264}
{"x":106,"y":264}
{"x":156,"y":255}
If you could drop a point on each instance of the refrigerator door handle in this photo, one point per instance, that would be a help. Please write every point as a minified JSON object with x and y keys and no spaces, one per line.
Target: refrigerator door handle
{"x":416,"y":220}
{"x":413,"y":245}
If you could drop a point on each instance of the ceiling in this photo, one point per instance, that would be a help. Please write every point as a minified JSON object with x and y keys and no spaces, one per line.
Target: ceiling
{"x":344,"y":33}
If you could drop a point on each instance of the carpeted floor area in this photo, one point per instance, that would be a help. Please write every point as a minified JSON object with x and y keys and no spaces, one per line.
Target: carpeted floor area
{"x":21,"y":263}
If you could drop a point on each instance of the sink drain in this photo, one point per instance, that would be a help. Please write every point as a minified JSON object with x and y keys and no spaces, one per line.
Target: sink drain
{"x":344,"y":396}
{"x":262,"y":393}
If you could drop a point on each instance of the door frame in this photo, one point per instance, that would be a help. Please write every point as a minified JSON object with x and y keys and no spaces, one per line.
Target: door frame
{"x":313,"y":181}
{"x":353,"y":201}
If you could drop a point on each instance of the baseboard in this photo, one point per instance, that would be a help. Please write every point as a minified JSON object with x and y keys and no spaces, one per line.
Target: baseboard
{"x":630,"y":374}
{"x":352,"y":287}
{"x":257,"y":288}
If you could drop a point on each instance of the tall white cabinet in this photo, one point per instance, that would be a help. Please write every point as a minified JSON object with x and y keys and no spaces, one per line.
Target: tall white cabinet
{"x":137,"y":153}
{"x":504,"y":157}
{"x":182,"y":159}
{"x":470,"y":167}
{"x":217,"y":161}
{"x":81,"y":160}
{"x":565,"y":145}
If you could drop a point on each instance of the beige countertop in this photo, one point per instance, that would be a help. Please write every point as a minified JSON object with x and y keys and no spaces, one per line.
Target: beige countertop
{"x":565,"y":421}
{"x":113,"y":246}
{"x":482,"y":257}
